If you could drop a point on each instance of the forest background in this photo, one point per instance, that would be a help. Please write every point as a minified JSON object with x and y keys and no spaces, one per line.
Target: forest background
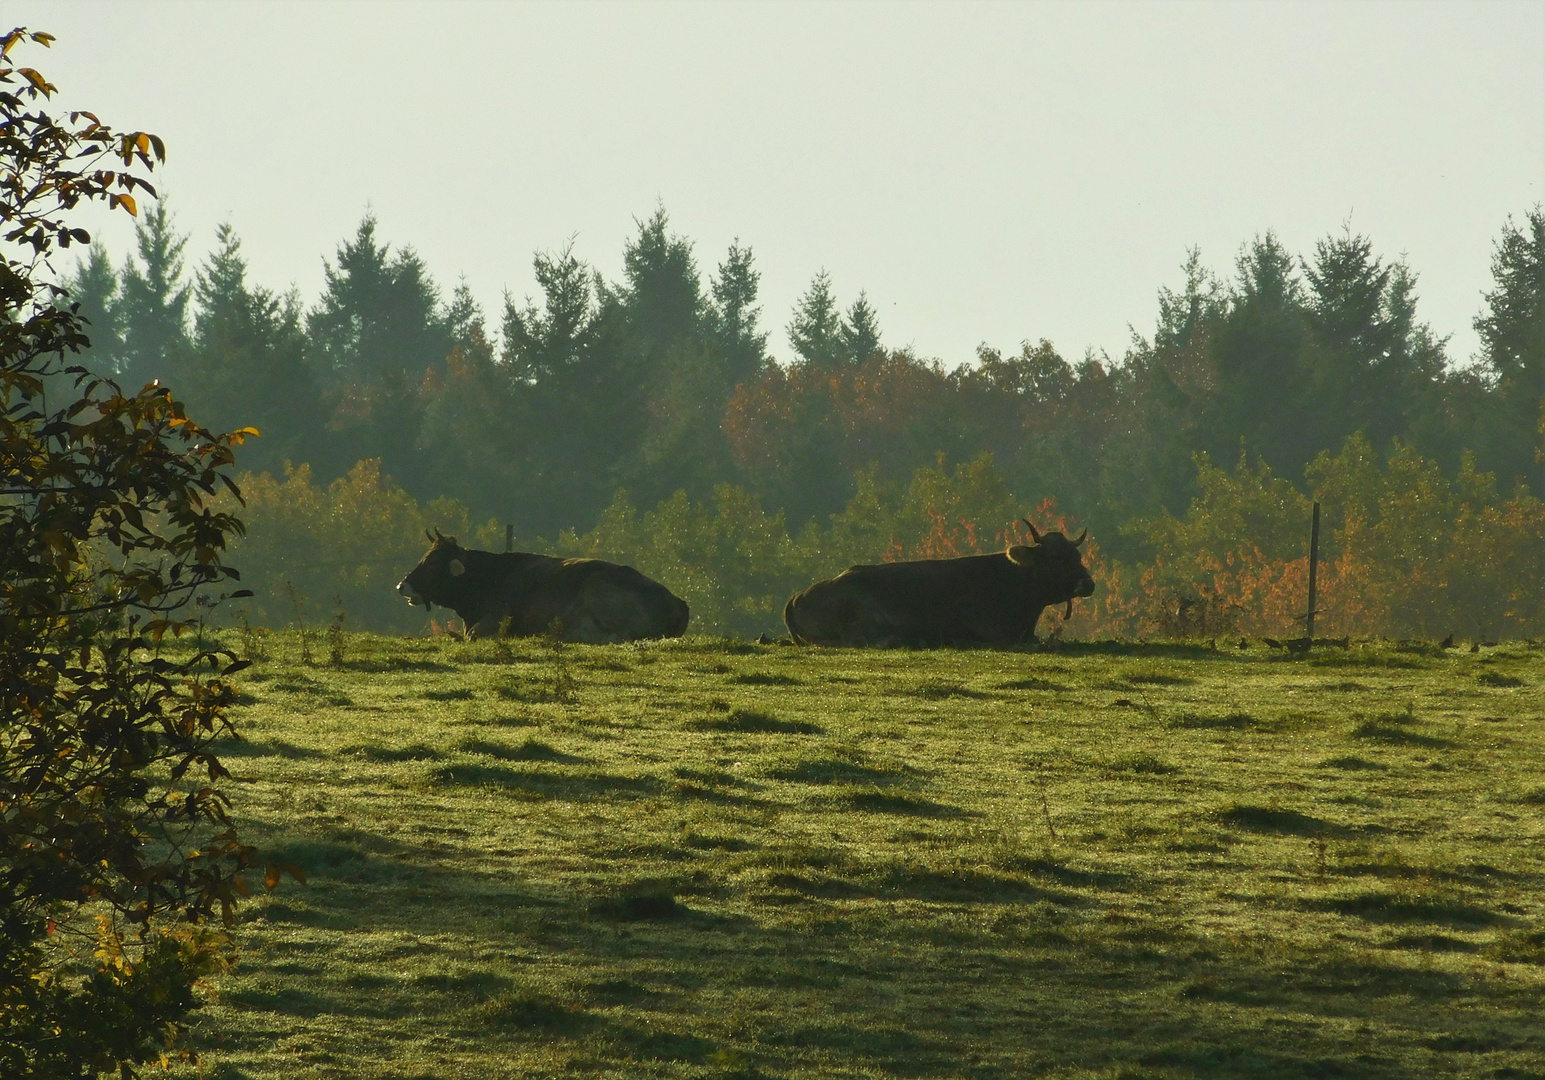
{"x":647,"y":421}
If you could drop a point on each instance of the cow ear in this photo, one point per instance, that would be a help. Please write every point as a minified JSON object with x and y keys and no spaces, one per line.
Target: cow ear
{"x":457,"y":569}
{"x":1021,"y":554}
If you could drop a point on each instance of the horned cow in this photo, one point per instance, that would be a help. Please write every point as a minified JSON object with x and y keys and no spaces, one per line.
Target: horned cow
{"x":520,"y":593}
{"x":976,"y":600}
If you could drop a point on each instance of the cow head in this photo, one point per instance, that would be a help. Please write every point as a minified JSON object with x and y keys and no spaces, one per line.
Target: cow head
{"x":1058,"y":563}
{"x":434,"y":579}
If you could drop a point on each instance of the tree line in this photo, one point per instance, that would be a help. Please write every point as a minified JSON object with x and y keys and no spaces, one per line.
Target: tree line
{"x":666,"y":380}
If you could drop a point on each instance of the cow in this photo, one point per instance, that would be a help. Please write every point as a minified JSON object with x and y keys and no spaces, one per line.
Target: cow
{"x":975,"y":600}
{"x":519,"y":593}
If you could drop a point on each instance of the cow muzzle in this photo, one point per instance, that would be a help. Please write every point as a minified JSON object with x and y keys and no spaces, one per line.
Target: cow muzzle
{"x":410,"y":594}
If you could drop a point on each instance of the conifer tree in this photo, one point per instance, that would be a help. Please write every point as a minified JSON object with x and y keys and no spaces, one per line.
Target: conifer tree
{"x":94,"y":287}
{"x":1258,"y":351}
{"x":860,"y":331}
{"x":152,"y":309}
{"x":736,"y":314}
{"x":1512,"y":331}
{"x":815,"y":331}
{"x":247,"y":362}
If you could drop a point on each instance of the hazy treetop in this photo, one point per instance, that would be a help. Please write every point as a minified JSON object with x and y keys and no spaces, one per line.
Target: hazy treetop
{"x":986,"y":172}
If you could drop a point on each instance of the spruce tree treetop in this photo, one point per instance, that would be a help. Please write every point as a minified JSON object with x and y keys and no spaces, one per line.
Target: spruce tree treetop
{"x":815,"y":331}
{"x":94,"y":286}
{"x":736,"y":315}
{"x":860,"y":330}
{"x":152,"y":311}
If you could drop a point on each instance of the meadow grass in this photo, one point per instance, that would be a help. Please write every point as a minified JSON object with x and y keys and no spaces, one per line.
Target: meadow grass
{"x":705,"y":858}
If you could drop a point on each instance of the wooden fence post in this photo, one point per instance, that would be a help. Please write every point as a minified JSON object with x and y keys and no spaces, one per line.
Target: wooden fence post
{"x":1314,"y":565}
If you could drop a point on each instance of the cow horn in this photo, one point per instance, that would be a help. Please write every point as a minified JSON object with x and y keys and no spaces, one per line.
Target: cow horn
{"x":1081,"y":538}
{"x":1035,"y":537}
{"x":438,"y":537}
{"x":428,"y":537}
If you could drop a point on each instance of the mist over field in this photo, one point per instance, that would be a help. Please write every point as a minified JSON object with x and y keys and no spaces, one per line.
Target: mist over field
{"x":903,"y":426}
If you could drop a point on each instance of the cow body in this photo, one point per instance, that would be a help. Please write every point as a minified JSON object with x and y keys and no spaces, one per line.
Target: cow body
{"x":519,"y":593}
{"x":976,"y":600}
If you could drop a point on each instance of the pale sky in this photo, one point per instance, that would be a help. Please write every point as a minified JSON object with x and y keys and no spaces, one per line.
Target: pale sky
{"x":986,"y":172}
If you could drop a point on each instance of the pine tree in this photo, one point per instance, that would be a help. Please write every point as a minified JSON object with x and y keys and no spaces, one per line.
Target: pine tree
{"x":1258,"y":352}
{"x":815,"y":331}
{"x":860,"y":331}
{"x":1371,"y":367}
{"x":735,"y":315}
{"x":152,"y":308}
{"x":661,"y":297}
{"x":464,"y":317}
{"x":94,"y":286}
{"x":375,"y":336}
{"x":378,"y":323}
{"x":1512,"y":331}
{"x":247,"y":362}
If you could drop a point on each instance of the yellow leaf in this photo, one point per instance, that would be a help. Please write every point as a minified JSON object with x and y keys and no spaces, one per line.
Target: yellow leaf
{"x":125,"y":201}
{"x":39,"y":83}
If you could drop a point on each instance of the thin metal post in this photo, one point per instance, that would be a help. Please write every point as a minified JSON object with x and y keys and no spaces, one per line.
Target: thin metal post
{"x":509,"y":536}
{"x":1314,"y":565}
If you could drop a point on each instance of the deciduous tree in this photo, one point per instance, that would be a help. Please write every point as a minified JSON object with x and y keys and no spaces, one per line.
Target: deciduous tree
{"x":115,"y":846}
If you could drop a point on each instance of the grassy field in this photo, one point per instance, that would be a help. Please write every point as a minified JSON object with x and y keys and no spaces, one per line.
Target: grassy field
{"x":719,"y":859}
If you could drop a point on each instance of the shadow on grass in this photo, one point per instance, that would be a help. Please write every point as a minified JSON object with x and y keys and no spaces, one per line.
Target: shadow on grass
{"x":411,"y":752}
{"x":387,"y":664}
{"x":756,"y":678}
{"x":1350,"y":763}
{"x":1364,"y":660}
{"x":1265,"y":819}
{"x":577,"y":786}
{"x":878,"y":800}
{"x":1028,"y":684}
{"x":748,"y":721}
{"x":242,"y":748}
{"x":1138,"y":678}
{"x":1195,"y":721}
{"x":648,"y":970}
{"x":837,"y":771}
{"x":939,"y":690}
{"x":1378,"y":906}
{"x":1166,"y":650}
{"x":1391,"y":735}
{"x":530,"y":750}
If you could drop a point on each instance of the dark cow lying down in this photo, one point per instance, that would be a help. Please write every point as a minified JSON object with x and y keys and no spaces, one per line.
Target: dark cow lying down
{"x":976,"y":600}
{"x":588,"y":599}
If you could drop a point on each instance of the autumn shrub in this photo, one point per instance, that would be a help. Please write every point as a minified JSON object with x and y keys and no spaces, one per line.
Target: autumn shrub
{"x":310,"y":549}
{"x":1405,"y":550}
